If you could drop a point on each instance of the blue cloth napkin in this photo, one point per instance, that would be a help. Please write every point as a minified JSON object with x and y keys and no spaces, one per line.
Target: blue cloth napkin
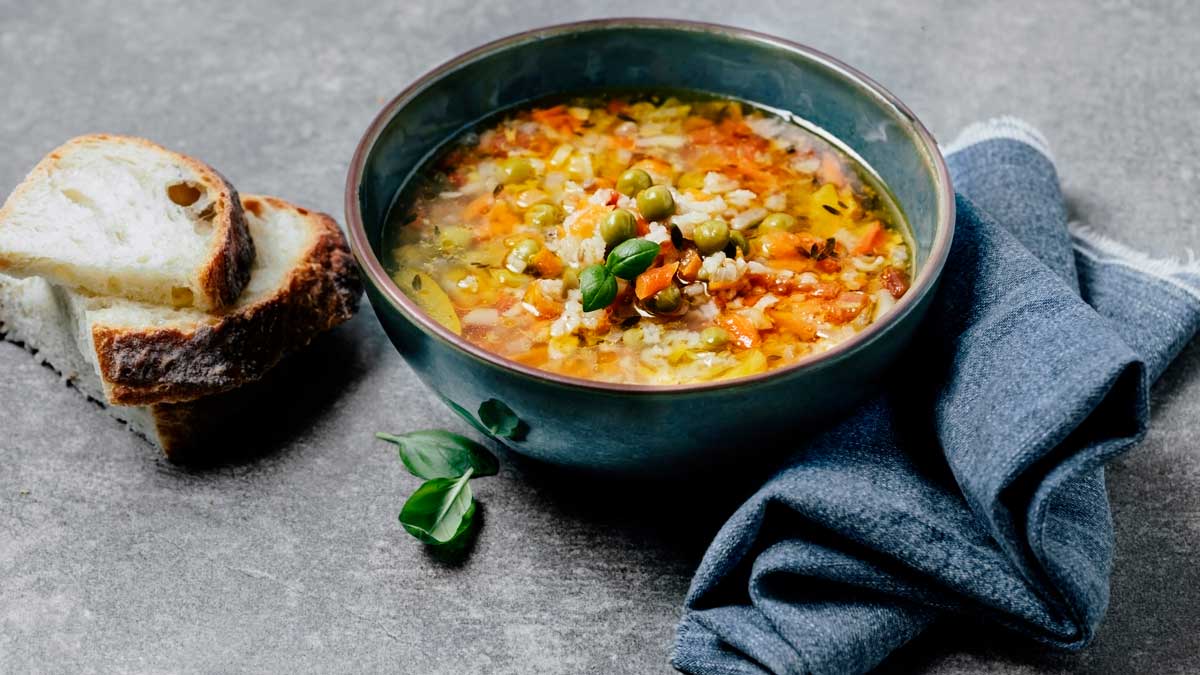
{"x":975,"y":486}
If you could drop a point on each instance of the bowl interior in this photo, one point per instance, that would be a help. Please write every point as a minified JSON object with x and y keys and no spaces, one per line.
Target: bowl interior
{"x":647,"y":54}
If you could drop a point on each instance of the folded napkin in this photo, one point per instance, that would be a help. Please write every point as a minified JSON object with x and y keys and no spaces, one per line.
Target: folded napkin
{"x":975,"y":486}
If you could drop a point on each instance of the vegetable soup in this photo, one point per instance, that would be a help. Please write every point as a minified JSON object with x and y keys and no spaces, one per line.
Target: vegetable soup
{"x":649,"y":240}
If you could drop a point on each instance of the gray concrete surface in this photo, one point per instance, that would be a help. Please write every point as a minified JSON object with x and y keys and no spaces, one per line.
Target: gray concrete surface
{"x":112,"y":560}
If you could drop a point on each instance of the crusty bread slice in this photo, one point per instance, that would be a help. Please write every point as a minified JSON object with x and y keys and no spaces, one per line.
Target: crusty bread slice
{"x":304,"y":282}
{"x":216,"y":428}
{"x":124,"y":217}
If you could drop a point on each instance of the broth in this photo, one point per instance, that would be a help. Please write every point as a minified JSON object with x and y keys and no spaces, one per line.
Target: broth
{"x":760,"y":243}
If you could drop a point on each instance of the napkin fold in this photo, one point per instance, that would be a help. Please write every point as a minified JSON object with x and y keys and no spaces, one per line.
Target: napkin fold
{"x":974,"y":485}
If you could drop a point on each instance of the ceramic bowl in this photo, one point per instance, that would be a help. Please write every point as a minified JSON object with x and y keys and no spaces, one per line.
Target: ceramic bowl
{"x":637,"y":428}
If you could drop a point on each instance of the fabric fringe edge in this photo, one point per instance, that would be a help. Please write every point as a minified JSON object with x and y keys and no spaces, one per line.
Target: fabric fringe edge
{"x":1105,"y":249}
{"x":1006,"y":126}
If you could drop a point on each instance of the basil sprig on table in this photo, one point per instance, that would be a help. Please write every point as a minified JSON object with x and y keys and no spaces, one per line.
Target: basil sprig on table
{"x":442,"y":510}
{"x":598,"y":283}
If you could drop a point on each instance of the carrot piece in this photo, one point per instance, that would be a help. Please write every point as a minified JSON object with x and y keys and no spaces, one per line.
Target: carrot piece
{"x":654,"y":280}
{"x":742,"y":329}
{"x":546,"y":263}
{"x":549,"y":114}
{"x":557,"y":117}
{"x":871,"y":238}
{"x":643,"y":226}
{"x":585,"y":220}
{"x":689,"y":267}
{"x":536,"y":356}
{"x":801,"y":325}
{"x":546,"y":307}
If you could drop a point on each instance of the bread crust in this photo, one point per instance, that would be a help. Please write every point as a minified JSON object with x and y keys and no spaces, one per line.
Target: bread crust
{"x":146,"y":366}
{"x":231,"y":254}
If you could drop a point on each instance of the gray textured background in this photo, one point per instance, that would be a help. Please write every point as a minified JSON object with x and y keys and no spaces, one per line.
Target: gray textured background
{"x":113,"y":560}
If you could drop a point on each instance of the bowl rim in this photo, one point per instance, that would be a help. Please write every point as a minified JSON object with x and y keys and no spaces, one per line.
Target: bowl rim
{"x":369,"y":262}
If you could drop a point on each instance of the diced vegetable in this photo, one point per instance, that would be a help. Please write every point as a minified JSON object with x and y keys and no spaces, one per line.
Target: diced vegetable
{"x":742,"y":330}
{"x":752,"y":363}
{"x":870,"y":239}
{"x":546,"y":263}
{"x":654,"y":280}
{"x":425,"y":291}
{"x":689,"y":266}
{"x":714,"y":337}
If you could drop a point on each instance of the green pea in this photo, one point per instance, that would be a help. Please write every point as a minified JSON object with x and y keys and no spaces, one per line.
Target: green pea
{"x":737,"y":240}
{"x":515,"y":170}
{"x":526,"y":249}
{"x":665,"y":301}
{"x":711,"y":236}
{"x":656,"y":202}
{"x":618,"y":226}
{"x":543,"y":215}
{"x":633,"y":181}
{"x":714,"y":338}
{"x":778,"y":221}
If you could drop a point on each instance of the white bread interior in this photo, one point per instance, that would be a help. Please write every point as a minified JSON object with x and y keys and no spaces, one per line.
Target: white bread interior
{"x":121,"y":216}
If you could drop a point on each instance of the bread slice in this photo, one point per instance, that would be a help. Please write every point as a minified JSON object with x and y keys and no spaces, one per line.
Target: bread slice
{"x":227,"y":426}
{"x":304,"y":282}
{"x":121,"y":216}
{"x":231,"y":426}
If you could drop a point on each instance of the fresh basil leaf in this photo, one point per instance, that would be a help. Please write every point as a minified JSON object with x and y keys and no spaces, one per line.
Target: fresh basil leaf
{"x":501,"y":420}
{"x":632,"y":257}
{"x":441,"y":454}
{"x":465,"y":414}
{"x":456,"y":550}
{"x":440,"y":510}
{"x":598,"y":287}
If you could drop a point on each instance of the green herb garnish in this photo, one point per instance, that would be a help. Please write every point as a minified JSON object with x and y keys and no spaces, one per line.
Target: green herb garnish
{"x":440,"y":454}
{"x":598,"y":287}
{"x":500,"y":419}
{"x":598,"y":283}
{"x":442,"y":510}
{"x":632,"y":257}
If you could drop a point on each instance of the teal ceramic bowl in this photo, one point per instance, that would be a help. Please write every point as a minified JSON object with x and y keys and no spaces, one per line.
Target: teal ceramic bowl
{"x":643,"y":429}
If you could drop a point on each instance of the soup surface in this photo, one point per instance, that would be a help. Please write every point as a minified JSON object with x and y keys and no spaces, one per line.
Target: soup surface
{"x":654,"y":241}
